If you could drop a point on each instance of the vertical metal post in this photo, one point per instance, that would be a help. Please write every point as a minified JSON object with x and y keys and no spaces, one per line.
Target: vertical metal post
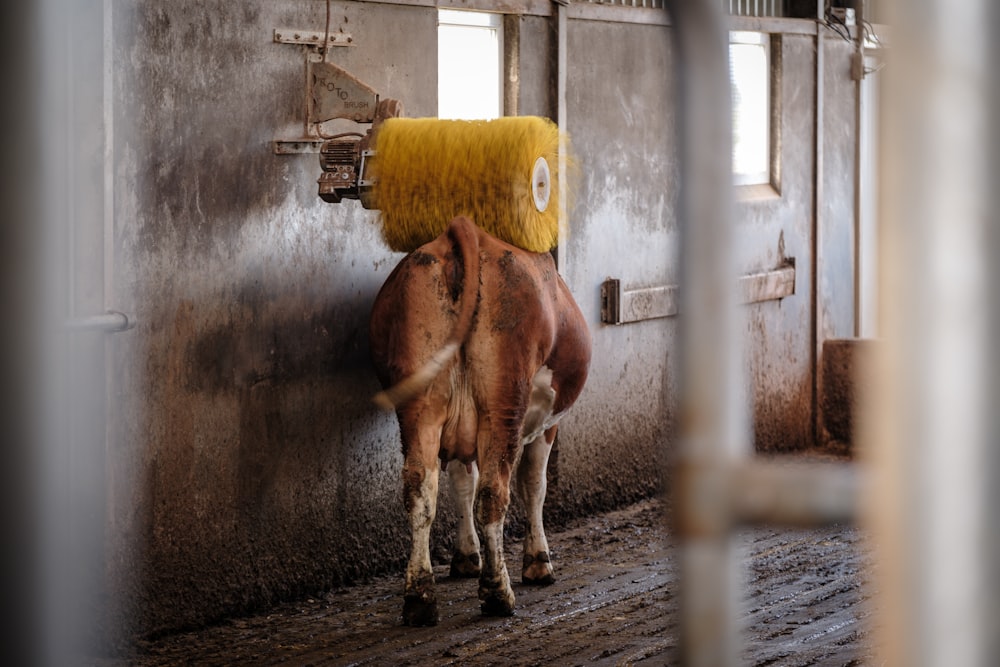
{"x":712,"y":415}
{"x":935,"y":430}
{"x":858,"y":76}
{"x":559,"y":113}
{"x":511,"y":64}
{"x":562,"y":119}
{"x":818,"y":230}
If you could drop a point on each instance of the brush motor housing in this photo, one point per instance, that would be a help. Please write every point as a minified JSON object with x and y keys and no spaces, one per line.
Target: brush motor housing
{"x":343,"y":162}
{"x":345,"y":159}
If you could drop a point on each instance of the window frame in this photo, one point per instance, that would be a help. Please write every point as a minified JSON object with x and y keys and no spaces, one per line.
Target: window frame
{"x":768,"y":174}
{"x":474,"y":20}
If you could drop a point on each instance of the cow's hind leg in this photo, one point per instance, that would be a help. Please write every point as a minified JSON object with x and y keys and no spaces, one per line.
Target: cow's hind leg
{"x":465,"y":561}
{"x":420,"y":489}
{"x":496,"y":597}
{"x":531,"y":486}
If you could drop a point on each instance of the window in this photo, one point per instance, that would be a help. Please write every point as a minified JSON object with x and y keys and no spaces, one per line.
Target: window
{"x":750,"y":78}
{"x":470,"y":64}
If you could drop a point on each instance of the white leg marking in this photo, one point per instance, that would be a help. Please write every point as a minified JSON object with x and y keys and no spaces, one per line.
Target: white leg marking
{"x":531,"y":481}
{"x":531,"y":485}
{"x":464,"y":480}
{"x":495,"y":568}
{"x":421,"y":518}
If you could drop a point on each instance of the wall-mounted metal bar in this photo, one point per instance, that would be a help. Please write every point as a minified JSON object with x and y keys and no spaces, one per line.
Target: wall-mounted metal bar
{"x":621,"y":306}
{"x":767,"y":285}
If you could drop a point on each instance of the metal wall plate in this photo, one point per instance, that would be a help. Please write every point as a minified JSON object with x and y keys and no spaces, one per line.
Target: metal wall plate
{"x":311,"y":37}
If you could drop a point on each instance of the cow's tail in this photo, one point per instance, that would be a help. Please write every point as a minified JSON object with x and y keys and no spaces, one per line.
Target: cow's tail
{"x":463,"y":235}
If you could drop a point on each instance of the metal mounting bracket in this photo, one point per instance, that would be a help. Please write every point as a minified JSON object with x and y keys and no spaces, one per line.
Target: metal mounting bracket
{"x":310,"y":142}
{"x":311,"y":37}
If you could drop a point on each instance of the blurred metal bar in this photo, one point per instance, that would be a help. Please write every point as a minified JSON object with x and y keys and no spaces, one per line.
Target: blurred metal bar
{"x":934,"y":432}
{"x":110,"y":322}
{"x":712,"y":415}
{"x":796,"y":494}
{"x":720,"y":497}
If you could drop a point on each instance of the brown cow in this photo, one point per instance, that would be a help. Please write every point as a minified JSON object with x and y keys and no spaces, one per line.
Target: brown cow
{"x":484,"y":350}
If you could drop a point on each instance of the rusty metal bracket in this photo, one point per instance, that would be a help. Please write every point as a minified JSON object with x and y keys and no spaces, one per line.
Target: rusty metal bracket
{"x":611,"y":294}
{"x":331,"y":93}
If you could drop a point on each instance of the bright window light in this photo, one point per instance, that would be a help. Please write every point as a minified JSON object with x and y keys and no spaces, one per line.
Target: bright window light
{"x":750,"y":77}
{"x":470,"y":47}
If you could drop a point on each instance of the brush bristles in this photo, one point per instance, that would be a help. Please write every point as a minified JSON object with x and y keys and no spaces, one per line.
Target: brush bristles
{"x":428,"y":171}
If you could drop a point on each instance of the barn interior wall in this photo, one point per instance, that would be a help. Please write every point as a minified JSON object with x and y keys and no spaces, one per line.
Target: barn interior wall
{"x":622,"y":224}
{"x":245,"y":463}
{"x":773,"y":227}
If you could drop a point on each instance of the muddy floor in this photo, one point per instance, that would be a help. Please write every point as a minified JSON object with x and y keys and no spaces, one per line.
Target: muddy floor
{"x":614,"y":603}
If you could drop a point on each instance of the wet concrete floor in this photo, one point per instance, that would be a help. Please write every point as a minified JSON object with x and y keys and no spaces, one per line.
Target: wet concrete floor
{"x":614,"y":603}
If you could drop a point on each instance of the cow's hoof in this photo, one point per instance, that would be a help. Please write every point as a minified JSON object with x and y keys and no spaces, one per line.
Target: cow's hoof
{"x":496,"y":604}
{"x":420,"y":601}
{"x":465,"y":566}
{"x":495,"y":596}
{"x":419,"y":611}
{"x":537,"y":570}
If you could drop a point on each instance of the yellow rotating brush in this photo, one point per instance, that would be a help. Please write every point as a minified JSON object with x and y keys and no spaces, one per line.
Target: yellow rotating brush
{"x":501,"y":173}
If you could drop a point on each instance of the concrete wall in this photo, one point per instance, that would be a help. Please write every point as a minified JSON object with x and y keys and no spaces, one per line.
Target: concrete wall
{"x":247,"y":464}
{"x":622,"y":224}
{"x":244,"y":462}
{"x":775,"y":225}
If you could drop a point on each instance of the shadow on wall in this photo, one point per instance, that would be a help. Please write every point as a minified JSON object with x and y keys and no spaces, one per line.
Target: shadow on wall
{"x":269,"y":474}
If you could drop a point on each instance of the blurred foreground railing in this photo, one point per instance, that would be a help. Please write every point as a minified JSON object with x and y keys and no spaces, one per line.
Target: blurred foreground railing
{"x":931,"y":435}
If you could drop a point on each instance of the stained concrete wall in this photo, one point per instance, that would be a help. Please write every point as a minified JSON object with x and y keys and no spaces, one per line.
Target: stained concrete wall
{"x":622,"y":224}
{"x":245,"y":463}
{"x":837,"y":272}
{"x":776,"y":225}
